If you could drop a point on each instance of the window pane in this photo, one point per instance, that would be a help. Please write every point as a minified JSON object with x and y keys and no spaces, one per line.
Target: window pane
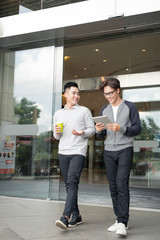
{"x":27,"y":147}
{"x":146,"y":163}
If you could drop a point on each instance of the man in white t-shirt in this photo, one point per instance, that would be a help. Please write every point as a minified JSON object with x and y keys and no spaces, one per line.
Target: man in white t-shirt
{"x":78,"y":126}
{"x":118,"y":149}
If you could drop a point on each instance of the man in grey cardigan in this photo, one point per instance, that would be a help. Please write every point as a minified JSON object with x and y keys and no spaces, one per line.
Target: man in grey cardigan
{"x":78,"y":126}
{"x":118,"y":152}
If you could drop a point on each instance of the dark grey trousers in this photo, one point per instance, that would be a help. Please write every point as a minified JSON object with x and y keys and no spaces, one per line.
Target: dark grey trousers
{"x":71,"y":167}
{"x":118,"y":166}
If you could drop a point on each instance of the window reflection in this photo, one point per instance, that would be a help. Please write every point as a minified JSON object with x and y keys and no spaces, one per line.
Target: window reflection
{"x":33,"y":98}
{"x":146,"y":162}
{"x":33,"y":86}
{"x":142,"y":94}
{"x":27,"y":150}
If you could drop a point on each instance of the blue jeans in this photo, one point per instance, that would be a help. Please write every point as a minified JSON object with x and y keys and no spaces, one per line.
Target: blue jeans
{"x":118,"y":166}
{"x":71,"y":167}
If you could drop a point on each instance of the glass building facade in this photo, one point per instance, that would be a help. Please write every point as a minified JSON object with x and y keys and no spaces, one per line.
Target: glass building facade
{"x":33,"y":70}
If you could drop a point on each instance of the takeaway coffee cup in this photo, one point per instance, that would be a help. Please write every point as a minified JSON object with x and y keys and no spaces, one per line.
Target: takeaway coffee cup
{"x":58,"y":124}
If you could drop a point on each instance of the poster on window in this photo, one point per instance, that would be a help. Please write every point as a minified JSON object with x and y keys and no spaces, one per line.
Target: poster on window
{"x":7,"y":155}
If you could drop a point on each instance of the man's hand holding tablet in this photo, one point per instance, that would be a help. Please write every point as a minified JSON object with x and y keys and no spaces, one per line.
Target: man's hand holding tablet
{"x":101,"y":122}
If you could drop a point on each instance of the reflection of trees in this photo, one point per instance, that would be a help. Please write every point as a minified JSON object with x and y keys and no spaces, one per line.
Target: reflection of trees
{"x":44,"y":153}
{"x":43,"y":145}
{"x":27,"y":113}
{"x":149,"y":129}
{"x":142,"y":159}
{"x":23,"y":159}
{"x":41,"y":161}
{"x":25,"y":110}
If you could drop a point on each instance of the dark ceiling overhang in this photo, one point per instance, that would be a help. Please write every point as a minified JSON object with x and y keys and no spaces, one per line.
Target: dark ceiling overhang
{"x":80,"y":34}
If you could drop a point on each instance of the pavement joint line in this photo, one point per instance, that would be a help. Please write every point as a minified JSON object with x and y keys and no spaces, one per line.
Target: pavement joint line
{"x":82,"y":204}
{"x":11,"y":230}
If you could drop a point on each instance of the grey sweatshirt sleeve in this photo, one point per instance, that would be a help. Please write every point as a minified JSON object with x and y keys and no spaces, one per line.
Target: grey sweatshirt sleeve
{"x":135,"y":128}
{"x":56,"y":136}
{"x":89,"y":124}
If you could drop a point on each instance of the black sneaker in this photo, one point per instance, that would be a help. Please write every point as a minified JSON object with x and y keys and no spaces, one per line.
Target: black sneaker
{"x":75,"y":220}
{"x":62,"y":223}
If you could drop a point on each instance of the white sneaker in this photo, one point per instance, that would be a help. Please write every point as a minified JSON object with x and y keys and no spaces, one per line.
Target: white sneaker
{"x":113,"y":228}
{"x":121,"y":229}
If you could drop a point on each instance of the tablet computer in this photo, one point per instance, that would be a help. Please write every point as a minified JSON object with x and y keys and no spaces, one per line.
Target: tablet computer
{"x":102,"y":119}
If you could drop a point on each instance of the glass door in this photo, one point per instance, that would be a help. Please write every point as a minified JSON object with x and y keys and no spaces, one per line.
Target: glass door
{"x":146,"y":163}
{"x":29,"y":96}
{"x":135,"y":62}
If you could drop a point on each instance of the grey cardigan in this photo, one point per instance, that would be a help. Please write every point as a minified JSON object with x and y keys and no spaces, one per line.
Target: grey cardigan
{"x":130,"y":126}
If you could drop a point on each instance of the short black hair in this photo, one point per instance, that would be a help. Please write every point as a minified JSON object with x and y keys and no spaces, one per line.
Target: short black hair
{"x":70,"y":84}
{"x":111,"y":82}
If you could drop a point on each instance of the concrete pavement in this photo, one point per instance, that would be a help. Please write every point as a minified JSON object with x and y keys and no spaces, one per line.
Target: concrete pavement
{"x":30,"y":219}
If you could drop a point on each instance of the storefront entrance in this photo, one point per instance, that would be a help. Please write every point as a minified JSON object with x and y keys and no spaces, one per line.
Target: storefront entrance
{"x":134,"y":61}
{"x":31,"y":91}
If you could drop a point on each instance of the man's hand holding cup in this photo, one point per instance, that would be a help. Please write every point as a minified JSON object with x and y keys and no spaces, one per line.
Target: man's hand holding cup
{"x":59,"y":128}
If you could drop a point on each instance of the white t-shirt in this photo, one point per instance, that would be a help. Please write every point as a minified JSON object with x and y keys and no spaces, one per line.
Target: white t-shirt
{"x":115,"y":109}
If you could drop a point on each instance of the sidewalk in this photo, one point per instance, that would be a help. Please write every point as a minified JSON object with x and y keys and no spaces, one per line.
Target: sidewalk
{"x":28,"y":219}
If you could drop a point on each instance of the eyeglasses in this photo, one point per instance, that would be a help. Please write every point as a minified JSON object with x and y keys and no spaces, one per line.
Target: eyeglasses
{"x":109,"y":93}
